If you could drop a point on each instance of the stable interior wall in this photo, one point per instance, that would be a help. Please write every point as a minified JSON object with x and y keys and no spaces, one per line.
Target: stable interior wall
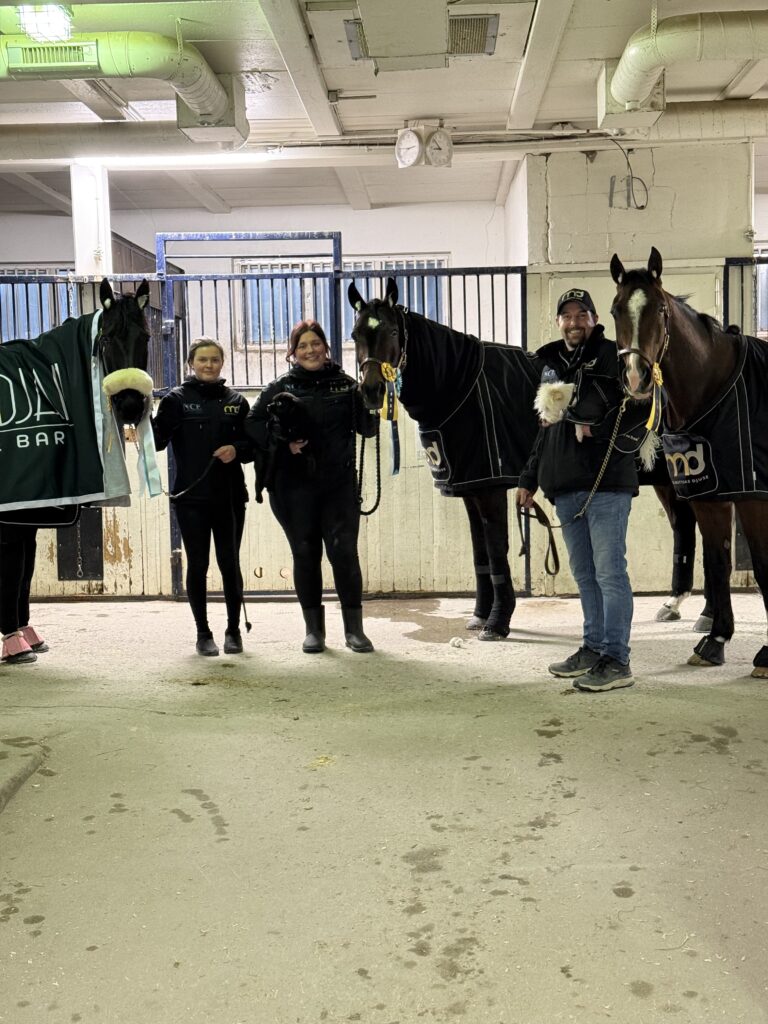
{"x":694,"y":204}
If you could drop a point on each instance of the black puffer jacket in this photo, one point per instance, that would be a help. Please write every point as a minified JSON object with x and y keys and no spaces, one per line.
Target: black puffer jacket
{"x":332,"y":400}
{"x":196,"y":418}
{"x":559,"y":462}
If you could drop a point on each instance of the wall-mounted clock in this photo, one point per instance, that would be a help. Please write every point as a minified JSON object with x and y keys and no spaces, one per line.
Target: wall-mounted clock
{"x":409,"y":147}
{"x":439,"y":148}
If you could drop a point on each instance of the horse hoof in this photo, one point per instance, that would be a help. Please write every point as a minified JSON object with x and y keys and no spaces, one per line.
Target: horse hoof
{"x":476,"y":623}
{"x":492,"y":635}
{"x":708,"y":651}
{"x":696,"y":659}
{"x":703,"y":624}
{"x":665,"y":614}
{"x":760,"y":672}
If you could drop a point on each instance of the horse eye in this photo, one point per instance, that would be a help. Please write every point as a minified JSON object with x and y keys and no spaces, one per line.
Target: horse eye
{"x":614,"y":312}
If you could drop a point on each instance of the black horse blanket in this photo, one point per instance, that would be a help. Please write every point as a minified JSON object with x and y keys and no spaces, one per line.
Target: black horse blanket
{"x":485,"y":440}
{"x":53,"y":450}
{"x":723,"y":453}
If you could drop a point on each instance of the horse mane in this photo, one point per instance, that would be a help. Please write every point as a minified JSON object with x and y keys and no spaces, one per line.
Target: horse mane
{"x":710,"y":324}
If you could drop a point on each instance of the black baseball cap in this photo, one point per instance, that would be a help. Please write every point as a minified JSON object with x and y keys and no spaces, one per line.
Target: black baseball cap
{"x":576,"y":295}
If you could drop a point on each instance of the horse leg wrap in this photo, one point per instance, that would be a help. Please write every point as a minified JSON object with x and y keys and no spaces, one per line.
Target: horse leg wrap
{"x":33,"y":638}
{"x":16,"y":650}
{"x":497,"y":626}
{"x":711,"y":650}
{"x":483,"y":595}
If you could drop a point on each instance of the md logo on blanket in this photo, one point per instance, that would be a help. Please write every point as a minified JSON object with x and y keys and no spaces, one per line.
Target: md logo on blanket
{"x":690,"y":465}
{"x":434,"y":453}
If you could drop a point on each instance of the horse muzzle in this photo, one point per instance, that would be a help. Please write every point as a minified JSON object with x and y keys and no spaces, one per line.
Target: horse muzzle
{"x":636,"y":374}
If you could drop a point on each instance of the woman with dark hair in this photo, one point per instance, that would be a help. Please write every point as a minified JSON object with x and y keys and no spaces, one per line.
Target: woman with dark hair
{"x":312,"y":482}
{"x":202,"y":420}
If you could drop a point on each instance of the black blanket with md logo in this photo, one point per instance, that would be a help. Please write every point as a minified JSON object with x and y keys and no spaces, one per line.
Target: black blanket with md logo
{"x":485,"y":440}
{"x":723,"y":453}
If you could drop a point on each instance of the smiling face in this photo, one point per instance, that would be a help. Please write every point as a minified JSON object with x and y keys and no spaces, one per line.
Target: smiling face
{"x":311,"y":351}
{"x":206,"y":363}
{"x":576,"y":324}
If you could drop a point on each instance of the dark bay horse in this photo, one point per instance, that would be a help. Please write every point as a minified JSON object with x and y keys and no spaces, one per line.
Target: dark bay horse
{"x":714,"y":444}
{"x":52,"y":437}
{"x":434,"y":364}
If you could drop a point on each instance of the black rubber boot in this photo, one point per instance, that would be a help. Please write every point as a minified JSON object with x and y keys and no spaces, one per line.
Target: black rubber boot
{"x":314,"y":641}
{"x":206,"y":645}
{"x":355,"y":638}
{"x":233,"y":642}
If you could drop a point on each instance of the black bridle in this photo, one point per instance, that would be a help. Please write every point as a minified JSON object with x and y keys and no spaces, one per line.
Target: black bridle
{"x":654,"y":365}
{"x":389,"y":372}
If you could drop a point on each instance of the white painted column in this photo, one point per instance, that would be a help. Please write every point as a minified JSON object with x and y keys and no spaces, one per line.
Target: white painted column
{"x":91,"y":224}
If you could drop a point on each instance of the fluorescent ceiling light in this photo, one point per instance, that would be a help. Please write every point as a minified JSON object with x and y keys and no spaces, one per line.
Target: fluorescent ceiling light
{"x":184,"y":161}
{"x":46,"y":23}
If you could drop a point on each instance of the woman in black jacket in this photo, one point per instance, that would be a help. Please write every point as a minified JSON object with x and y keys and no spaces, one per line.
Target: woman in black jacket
{"x":203,"y":421}
{"x":311,"y":479}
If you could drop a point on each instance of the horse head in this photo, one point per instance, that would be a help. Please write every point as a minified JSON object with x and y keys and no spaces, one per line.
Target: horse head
{"x":378,"y":343}
{"x":641,"y":315}
{"x":124,"y":348}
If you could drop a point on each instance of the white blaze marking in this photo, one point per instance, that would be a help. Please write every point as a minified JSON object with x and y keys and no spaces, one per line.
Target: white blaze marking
{"x":635,"y":306}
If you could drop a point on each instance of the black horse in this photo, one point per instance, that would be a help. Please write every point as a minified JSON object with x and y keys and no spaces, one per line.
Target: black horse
{"x":53,"y":443}
{"x":715,"y":429}
{"x":477,"y":432}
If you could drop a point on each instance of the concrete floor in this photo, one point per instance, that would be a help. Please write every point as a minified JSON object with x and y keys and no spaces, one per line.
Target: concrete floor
{"x":433,"y":832}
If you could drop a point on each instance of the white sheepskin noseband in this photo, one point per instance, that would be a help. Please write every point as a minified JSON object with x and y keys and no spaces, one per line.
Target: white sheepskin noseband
{"x":130,"y":378}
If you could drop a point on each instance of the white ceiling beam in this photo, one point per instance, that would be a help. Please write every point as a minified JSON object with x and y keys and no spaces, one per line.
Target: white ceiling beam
{"x":99,"y":98}
{"x":541,"y":51}
{"x":46,"y":194}
{"x":193,"y":186}
{"x":354,"y":188}
{"x":290,"y":33}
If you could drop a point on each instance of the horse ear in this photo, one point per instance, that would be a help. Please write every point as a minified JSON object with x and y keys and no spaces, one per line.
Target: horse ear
{"x":617,"y":269}
{"x":654,"y":264}
{"x":356,"y":300}
{"x":390,"y":295}
{"x":142,"y":294}
{"x":106,"y":295}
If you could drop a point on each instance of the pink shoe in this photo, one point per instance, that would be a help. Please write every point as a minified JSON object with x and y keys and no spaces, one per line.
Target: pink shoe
{"x":16,"y":650}
{"x":34,"y":639}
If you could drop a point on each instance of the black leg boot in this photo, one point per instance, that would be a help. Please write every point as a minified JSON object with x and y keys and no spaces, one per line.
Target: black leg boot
{"x":353,"y":631}
{"x":314,"y":641}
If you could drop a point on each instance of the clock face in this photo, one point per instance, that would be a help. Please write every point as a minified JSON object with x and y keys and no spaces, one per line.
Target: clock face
{"x":439,"y":148}
{"x":409,"y":148}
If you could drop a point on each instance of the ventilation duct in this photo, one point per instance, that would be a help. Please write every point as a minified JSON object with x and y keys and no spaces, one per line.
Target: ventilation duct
{"x":468,"y":35}
{"x":695,"y":37}
{"x":122,"y":55}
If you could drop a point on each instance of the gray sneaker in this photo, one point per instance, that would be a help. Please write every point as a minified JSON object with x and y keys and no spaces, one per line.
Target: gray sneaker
{"x":607,"y":674}
{"x":579,"y":663}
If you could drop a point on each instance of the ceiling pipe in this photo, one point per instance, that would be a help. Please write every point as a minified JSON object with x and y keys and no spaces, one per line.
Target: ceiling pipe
{"x":741,"y":35}
{"x":125,"y":55}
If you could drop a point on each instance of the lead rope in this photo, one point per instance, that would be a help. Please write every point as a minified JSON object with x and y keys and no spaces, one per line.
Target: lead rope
{"x":361,"y":468}
{"x":611,"y":445}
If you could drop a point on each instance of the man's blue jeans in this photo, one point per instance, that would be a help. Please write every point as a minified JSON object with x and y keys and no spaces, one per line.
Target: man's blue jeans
{"x":597,"y":552}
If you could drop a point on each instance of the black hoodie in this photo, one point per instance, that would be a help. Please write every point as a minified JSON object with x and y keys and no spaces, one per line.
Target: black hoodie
{"x":559,"y":463}
{"x":196,"y":418}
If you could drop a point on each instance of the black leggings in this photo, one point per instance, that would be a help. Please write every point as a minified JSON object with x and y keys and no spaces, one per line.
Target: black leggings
{"x":197,"y":522}
{"x":18,"y":545}
{"x":313,"y":515}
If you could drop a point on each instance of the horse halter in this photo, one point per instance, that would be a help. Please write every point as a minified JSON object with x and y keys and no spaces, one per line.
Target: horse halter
{"x":392,"y":374}
{"x":657,"y":377}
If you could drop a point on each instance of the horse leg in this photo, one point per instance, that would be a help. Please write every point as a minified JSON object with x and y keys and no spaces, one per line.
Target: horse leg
{"x":17,"y":563}
{"x":483,"y":585}
{"x":754,"y":522}
{"x":715,"y":521}
{"x":492,"y":506}
{"x":683,"y":523}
